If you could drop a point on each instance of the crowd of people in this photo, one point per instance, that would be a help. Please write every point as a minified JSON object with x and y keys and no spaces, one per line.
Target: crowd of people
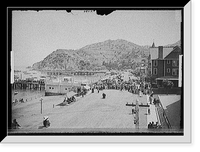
{"x":117,"y":82}
{"x":20,"y":100}
{"x":70,"y":99}
{"x":153,"y":125}
{"x":80,"y":92}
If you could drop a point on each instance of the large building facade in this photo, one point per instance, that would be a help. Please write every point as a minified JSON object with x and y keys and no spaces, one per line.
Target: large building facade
{"x":165,"y":64}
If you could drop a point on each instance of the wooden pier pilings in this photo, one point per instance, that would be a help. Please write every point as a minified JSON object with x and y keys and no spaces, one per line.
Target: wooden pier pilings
{"x":31,"y":85}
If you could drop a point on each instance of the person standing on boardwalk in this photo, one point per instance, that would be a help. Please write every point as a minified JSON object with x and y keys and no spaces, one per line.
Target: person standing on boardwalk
{"x":151,"y":98}
{"x":15,"y":124}
{"x":104,"y":95}
{"x":46,"y":121}
{"x":92,"y":90}
{"x":140,"y":93}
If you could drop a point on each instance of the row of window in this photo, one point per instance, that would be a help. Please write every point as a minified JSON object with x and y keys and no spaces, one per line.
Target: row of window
{"x":174,"y":62}
{"x":174,"y":71}
{"x":54,"y":73}
{"x":53,"y":88}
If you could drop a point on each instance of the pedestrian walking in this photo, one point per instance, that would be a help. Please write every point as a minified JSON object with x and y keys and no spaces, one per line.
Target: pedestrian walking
{"x":148,"y":111}
{"x":104,"y":95}
{"x":133,"y":111}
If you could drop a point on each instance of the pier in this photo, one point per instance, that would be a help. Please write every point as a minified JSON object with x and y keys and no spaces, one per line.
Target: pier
{"x":31,"y":85}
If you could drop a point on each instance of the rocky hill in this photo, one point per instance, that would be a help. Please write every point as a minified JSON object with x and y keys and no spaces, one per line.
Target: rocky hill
{"x":110,"y":54}
{"x":178,"y":43}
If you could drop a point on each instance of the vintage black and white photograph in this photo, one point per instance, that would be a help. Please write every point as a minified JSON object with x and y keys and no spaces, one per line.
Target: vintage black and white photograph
{"x":79,"y":72}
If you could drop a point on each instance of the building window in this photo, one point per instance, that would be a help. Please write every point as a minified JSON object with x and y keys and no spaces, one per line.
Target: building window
{"x":174,"y":63}
{"x":168,"y":61}
{"x":168,"y":70}
{"x":155,"y":62}
{"x":174,"y":71}
{"x":155,"y":71}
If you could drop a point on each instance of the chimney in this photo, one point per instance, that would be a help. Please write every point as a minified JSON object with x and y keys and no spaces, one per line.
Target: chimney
{"x":160,"y":52}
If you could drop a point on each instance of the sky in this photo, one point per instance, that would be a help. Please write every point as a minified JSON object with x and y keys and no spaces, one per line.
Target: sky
{"x":36,"y":34}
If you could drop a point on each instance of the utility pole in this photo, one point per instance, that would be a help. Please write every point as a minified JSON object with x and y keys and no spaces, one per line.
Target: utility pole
{"x":136,"y":113}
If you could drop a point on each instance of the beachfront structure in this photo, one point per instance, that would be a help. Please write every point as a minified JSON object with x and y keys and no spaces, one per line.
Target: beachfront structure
{"x":63,"y":85}
{"x":59,"y":86}
{"x":71,"y":73}
{"x":165,"y":64}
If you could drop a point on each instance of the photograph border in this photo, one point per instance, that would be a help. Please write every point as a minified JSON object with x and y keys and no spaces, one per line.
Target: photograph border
{"x":124,"y":138}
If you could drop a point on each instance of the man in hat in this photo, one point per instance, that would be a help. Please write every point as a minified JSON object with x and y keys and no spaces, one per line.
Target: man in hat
{"x":46,"y":121}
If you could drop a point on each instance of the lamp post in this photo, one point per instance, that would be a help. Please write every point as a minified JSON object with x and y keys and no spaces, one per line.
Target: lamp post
{"x":137,"y":113}
{"x":41,"y":104}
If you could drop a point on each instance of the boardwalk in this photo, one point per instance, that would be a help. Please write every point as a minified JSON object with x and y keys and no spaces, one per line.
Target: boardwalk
{"x":89,"y":112}
{"x":95,"y":112}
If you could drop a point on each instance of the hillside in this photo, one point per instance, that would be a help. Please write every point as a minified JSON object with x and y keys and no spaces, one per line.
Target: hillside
{"x":178,"y":43}
{"x":110,"y":54}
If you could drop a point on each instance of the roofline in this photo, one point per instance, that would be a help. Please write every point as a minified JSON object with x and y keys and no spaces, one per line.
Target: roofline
{"x":167,"y":78}
{"x":164,"y":46}
{"x":167,"y":59}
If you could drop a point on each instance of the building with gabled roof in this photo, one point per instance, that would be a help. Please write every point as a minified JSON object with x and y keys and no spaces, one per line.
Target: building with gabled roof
{"x":164,"y":63}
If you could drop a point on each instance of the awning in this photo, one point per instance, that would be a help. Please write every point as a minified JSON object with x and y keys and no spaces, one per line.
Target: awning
{"x":87,"y":87}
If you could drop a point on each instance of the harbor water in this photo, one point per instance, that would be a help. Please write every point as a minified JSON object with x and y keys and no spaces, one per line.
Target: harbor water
{"x":26,"y":95}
